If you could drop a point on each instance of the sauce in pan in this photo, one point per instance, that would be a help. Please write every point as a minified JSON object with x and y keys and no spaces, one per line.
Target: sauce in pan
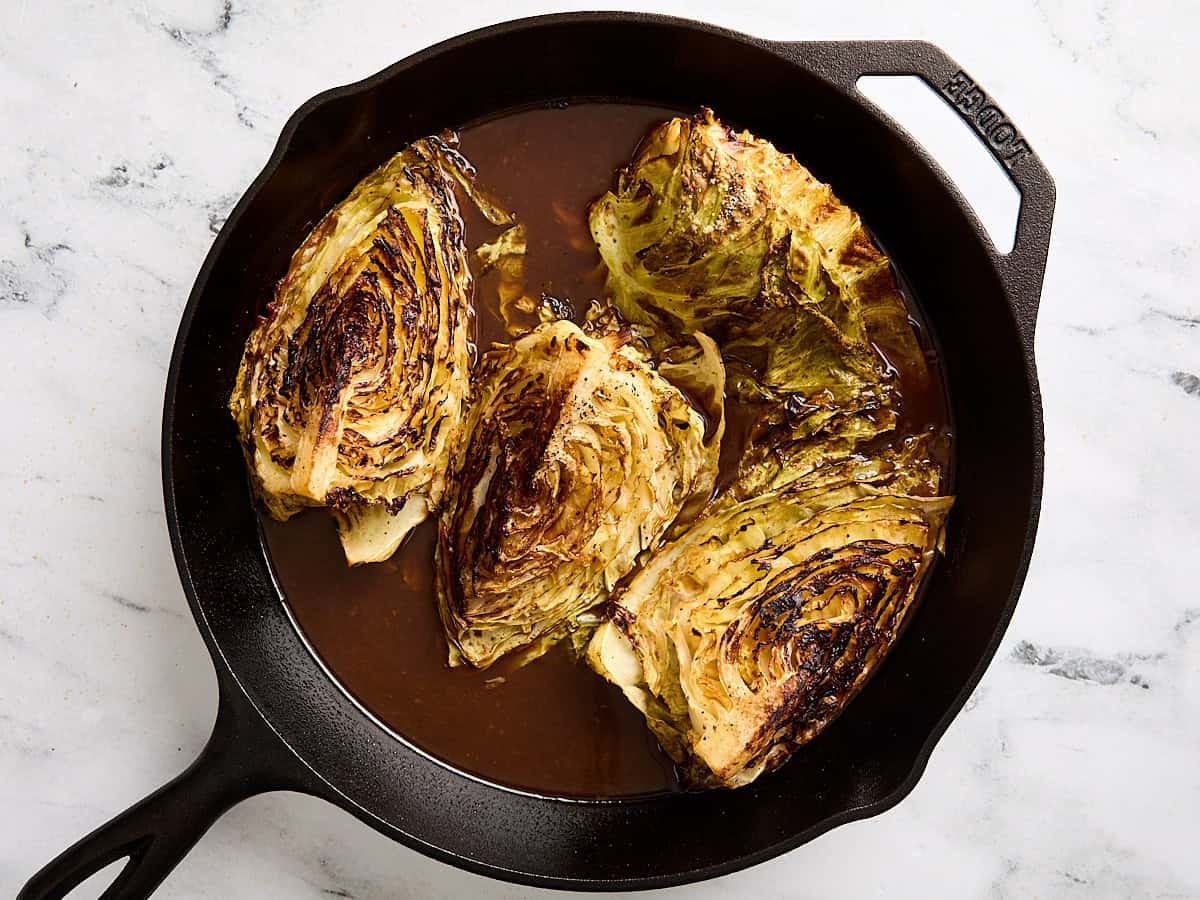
{"x":552,"y":727}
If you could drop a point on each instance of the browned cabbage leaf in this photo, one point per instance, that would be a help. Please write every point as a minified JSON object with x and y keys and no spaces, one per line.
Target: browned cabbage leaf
{"x":578,"y":458}
{"x":716,"y":231}
{"x":742,"y":639}
{"x":352,"y":387}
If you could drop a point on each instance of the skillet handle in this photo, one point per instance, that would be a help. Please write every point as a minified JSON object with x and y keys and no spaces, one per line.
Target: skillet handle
{"x":158,"y":832}
{"x":1022,"y":269}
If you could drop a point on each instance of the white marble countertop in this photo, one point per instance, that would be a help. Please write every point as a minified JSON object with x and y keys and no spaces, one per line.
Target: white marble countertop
{"x":127,"y":131}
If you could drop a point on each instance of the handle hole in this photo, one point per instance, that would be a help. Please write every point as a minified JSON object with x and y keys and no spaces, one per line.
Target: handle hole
{"x":957,"y":149}
{"x":94,"y":886}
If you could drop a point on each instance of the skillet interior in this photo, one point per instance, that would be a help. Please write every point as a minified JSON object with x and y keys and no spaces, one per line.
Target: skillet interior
{"x":870,"y":757}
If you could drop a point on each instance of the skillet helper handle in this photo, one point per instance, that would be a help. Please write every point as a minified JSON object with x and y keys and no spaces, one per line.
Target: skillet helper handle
{"x":1023,"y":268}
{"x":157,"y":833}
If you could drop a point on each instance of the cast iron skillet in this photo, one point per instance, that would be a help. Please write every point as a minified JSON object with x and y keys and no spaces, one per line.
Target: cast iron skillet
{"x":283,"y":724}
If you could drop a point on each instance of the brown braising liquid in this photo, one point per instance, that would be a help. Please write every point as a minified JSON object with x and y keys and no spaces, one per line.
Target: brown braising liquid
{"x":552,"y":727}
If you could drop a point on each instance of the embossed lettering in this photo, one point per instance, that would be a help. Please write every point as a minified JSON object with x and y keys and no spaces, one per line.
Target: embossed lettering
{"x":971,"y":100}
{"x":1019,"y":150}
{"x":988,"y":116}
{"x":1001,"y":135}
{"x":956,"y":85}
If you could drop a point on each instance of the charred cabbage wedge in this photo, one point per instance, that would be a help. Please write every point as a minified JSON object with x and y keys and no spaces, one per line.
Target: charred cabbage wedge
{"x":351,"y":391}
{"x":745,"y":637}
{"x":579,"y":456}
{"x":718,"y":231}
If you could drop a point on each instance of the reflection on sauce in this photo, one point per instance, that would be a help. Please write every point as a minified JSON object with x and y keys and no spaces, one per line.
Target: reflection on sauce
{"x":552,"y":726}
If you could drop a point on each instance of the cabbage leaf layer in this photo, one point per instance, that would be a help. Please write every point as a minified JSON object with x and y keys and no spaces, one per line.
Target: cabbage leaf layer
{"x":717,"y":231}
{"x":743,"y":638}
{"x":578,"y":457}
{"x":352,"y":387}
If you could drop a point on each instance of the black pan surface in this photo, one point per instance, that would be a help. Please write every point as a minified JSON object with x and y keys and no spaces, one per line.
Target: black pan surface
{"x":283,"y":723}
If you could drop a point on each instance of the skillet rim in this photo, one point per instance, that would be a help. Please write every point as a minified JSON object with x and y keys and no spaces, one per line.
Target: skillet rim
{"x":228,"y":677}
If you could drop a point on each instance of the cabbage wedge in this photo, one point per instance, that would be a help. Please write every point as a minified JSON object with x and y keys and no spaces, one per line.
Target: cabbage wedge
{"x":579,"y":456}
{"x":717,"y":231}
{"x":352,"y":387}
{"x":742,"y":639}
